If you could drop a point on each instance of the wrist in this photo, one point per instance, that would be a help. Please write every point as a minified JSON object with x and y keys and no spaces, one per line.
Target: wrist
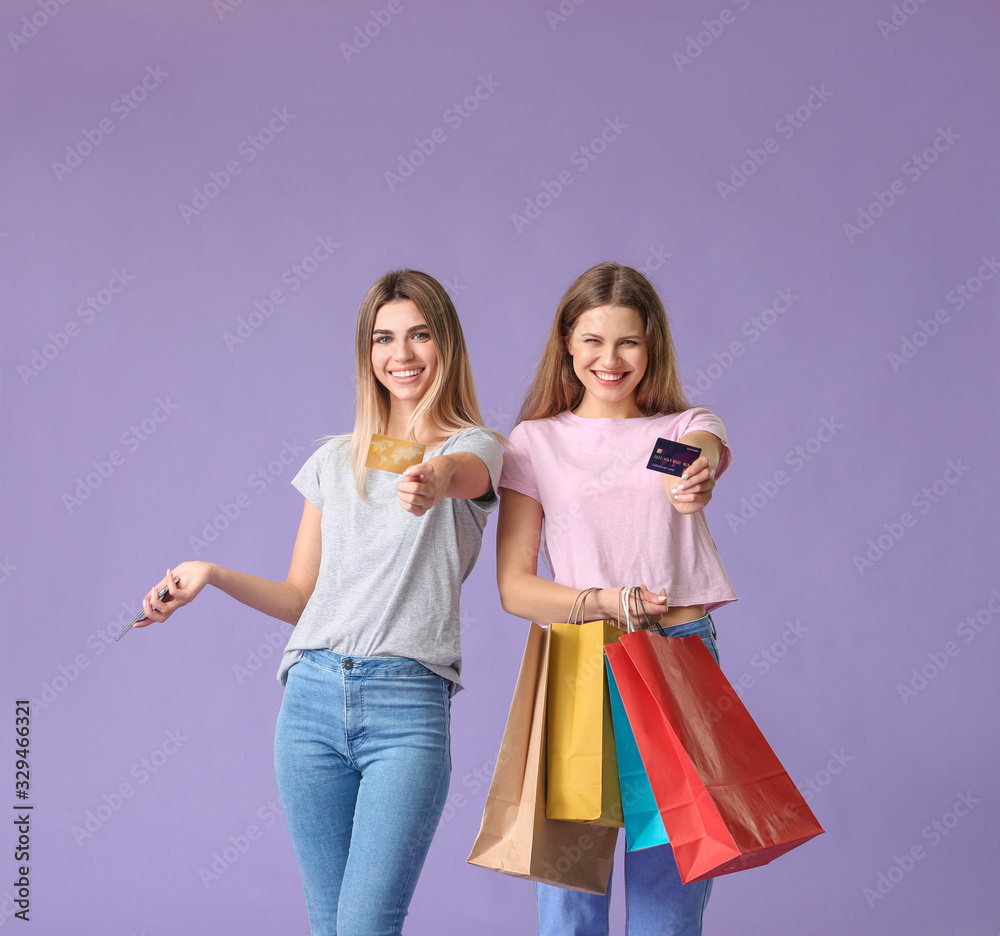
{"x":607,"y":602}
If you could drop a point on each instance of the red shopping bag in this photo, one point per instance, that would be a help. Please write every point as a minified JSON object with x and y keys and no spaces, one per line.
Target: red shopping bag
{"x":725,"y":800}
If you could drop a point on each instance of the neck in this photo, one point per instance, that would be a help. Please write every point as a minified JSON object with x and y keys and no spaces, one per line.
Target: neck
{"x":400,"y":412}
{"x":591,"y":408}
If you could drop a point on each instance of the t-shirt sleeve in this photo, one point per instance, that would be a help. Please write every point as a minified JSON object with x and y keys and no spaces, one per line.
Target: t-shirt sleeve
{"x":488,"y":449}
{"x":307,"y":480}
{"x":518,"y":472}
{"x":699,"y":419}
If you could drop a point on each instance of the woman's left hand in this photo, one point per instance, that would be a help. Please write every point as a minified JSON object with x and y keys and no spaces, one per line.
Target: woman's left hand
{"x":422,"y":486}
{"x":690,"y":493}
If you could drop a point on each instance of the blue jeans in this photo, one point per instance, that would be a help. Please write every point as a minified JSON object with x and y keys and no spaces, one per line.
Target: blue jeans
{"x":656,"y":902}
{"x":362,"y":754}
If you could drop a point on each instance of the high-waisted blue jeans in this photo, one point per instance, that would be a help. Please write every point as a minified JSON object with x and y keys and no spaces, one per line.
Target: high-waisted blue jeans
{"x":362,"y":754}
{"x":656,"y":902}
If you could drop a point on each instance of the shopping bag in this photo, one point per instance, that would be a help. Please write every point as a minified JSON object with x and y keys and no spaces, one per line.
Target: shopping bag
{"x":643,"y":825}
{"x":725,"y":800}
{"x":581,"y":763}
{"x":515,"y":836}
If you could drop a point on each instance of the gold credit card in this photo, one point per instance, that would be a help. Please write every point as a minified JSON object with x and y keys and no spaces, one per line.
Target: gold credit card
{"x":388,"y":454}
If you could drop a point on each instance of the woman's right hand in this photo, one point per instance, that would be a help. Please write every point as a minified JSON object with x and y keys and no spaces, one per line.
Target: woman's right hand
{"x":609,"y":602}
{"x":183,"y":584}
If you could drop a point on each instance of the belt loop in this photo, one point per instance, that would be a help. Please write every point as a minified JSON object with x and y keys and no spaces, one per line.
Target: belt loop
{"x":712,"y":623}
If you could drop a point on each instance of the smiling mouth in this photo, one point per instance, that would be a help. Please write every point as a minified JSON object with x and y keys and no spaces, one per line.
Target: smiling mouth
{"x":608,"y":377}
{"x":406,"y":374}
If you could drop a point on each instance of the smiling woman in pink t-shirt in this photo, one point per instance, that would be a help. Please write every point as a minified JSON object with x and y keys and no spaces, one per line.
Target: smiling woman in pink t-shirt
{"x":606,"y":389}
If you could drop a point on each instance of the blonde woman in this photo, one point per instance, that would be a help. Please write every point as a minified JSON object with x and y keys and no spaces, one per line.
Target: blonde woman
{"x":362,"y":744}
{"x":606,"y":389}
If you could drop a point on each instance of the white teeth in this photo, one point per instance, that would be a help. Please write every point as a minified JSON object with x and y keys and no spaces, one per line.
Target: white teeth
{"x":606,"y":376}
{"x":404,"y":373}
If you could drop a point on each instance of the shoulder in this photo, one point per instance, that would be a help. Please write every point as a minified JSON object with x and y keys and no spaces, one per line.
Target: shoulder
{"x":326,"y":454}
{"x":695,"y":417}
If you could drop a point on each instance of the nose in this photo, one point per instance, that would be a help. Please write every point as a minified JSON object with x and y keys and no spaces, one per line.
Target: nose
{"x":610,"y":357}
{"x":403,"y":352}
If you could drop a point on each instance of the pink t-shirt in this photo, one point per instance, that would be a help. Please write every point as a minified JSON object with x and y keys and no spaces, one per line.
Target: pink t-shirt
{"x":607,"y":519}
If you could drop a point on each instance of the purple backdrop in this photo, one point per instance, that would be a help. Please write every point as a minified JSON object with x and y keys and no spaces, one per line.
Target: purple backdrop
{"x":198,"y":195}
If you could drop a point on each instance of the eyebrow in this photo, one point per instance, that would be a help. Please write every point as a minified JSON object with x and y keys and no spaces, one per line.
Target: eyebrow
{"x":622,"y":338}
{"x":412,"y":328}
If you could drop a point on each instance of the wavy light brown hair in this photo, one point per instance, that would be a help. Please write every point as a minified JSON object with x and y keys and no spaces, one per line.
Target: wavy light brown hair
{"x":556,"y":388}
{"x":450,"y":403}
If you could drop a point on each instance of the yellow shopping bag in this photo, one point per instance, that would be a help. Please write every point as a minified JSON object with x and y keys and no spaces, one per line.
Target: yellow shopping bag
{"x":582,"y":766}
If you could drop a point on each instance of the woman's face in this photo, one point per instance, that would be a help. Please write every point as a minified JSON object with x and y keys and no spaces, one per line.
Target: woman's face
{"x":608,"y":346}
{"x":404,"y":358}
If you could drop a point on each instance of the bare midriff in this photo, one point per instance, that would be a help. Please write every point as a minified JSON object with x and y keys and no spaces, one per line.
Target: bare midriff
{"x":681,"y":615}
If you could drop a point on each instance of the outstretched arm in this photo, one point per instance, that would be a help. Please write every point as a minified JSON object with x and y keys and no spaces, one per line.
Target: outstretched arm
{"x":461,"y":475}
{"x":282,"y":600}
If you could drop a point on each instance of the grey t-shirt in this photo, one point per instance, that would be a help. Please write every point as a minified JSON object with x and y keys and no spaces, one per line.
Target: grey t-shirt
{"x":389,"y":581}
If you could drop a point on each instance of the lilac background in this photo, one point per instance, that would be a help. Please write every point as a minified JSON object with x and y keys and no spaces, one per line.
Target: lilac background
{"x":69,"y":569}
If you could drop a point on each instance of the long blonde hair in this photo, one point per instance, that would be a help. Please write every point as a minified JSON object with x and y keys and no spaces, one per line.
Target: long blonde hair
{"x":556,"y":388}
{"x":450,"y":403}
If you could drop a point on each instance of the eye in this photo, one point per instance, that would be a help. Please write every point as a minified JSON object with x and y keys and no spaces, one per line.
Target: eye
{"x":590,"y":341}
{"x":381,"y":339}
{"x":630,"y":341}
{"x":422,"y":336}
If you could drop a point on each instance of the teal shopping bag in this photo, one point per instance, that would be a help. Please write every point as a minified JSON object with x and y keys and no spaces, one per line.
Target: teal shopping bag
{"x":643,"y":825}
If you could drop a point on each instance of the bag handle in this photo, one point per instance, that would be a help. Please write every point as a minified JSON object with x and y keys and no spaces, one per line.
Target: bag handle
{"x":629,"y":594}
{"x":577,"y":614}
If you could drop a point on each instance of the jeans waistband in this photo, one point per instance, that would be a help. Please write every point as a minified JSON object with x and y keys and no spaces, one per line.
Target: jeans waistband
{"x":358,"y":666}
{"x":701,"y":627}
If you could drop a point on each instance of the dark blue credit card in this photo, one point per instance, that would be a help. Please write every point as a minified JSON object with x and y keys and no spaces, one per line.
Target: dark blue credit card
{"x":672,"y":457}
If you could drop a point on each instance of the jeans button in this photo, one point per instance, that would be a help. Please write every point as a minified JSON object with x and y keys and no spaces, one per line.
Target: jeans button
{"x":348,"y":664}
